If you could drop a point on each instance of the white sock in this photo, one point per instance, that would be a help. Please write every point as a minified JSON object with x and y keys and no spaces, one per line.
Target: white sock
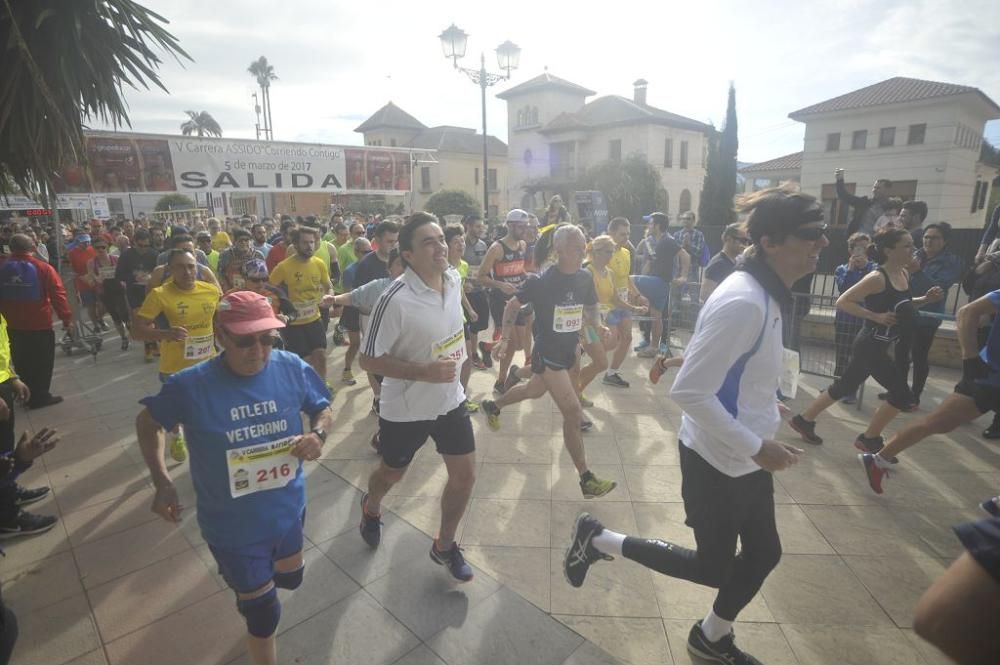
{"x":714,"y":627}
{"x":609,"y":542}
{"x":611,"y":372}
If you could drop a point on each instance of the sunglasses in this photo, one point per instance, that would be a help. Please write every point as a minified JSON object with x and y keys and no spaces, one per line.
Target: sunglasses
{"x":810,"y":234}
{"x":100,"y":246}
{"x":258,"y":280}
{"x":246,"y":341}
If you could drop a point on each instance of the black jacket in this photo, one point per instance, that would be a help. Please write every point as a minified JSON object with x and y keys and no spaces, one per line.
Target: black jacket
{"x":859,"y":203}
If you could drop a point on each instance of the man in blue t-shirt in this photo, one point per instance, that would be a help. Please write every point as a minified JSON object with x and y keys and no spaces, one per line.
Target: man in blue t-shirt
{"x":977,"y":392}
{"x":242,"y":415}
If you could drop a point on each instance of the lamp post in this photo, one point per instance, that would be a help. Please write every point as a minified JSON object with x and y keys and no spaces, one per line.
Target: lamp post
{"x":453,"y":43}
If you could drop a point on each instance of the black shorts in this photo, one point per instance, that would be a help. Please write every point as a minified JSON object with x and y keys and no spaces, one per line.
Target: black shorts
{"x":324,"y":316}
{"x":452,"y":434}
{"x":304,"y":339}
{"x":135,"y":293}
{"x":114,"y":303}
{"x":481,"y":306}
{"x":982,"y":540}
{"x":350,"y":319}
{"x":557,"y":359}
{"x":987,"y":398}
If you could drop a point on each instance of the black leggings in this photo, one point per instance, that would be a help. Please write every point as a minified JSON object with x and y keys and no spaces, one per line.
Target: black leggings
{"x":720,"y":509}
{"x":844,"y":334}
{"x":870,"y":357}
{"x":916,"y":348}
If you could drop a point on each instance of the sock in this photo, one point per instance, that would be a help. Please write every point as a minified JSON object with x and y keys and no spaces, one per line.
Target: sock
{"x":881,"y":462}
{"x":370,"y":513}
{"x":715,"y":628}
{"x":611,"y":372}
{"x":609,"y":542}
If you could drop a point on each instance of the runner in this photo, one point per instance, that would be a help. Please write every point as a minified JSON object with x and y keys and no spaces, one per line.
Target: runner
{"x":204,"y":240}
{"x":475,"y":251}
{"x":260,"y":243}
{"x":134,"y":269}
{"x":79,"y":256}
{"x":977,"y":393}
{"x":726,"y":444}
{"x":882,"y":299}
{"x":656,"y":285}
{"x":306,"y":279}
{"x":279,"y":250}
{"x":220,"y":239}
{"x":375,"y":265}
{"x":620,"y":266}
{"x":232,"y":260}
{"x":502,"y":271}
{"x":454,"y":237}
{"x":255,"y":278}
{"x":722,"y":265}
{"x":161,"y":273}
{"x":565,"y":305}
{"x":416,"y":342}
{"x":350,"y":318}
{"x":243,"y":409}
{"x":188,"y":306}
{"x":101,"y":275}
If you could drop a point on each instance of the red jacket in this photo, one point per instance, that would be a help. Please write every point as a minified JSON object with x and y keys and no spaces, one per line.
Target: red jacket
{"x":29,"y":290}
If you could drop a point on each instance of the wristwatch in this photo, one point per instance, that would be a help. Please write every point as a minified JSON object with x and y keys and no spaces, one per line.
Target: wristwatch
{"x":320,"y":432}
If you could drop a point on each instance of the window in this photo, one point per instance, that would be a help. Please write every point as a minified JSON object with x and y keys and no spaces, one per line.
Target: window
{"x":916,"y":134}
{"x":859,"y":139}
{"x":982,"y":195}
{"x":668,"y":153}
{"x":887,"y":137}
{"x":425,"y":178}
{"x":520,"y":118}
{"x":562,"y":160}
{"x":392,"y":142}
{"x":975,"y":195}
{"x":833,"y":142}
{"x":684,"y":159}
{"x":476,"y":176}
{"x":615,"y":150}
{"x":491,"y":179}
{"x":534,"y":115}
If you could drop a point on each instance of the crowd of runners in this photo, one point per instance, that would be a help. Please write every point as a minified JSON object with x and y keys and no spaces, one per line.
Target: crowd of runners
{"x":239,"y":315}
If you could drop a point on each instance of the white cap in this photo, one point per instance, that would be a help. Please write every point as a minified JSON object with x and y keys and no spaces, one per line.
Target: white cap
{"x":516,"y":215}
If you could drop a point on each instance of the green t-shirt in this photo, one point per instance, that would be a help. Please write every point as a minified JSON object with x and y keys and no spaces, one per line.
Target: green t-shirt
{"x":345,"y":256}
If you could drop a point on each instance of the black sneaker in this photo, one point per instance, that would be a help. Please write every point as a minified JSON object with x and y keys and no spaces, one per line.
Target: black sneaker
{"x":454,"y":561}
{"x":724,"y":651}
{"x":581,"y":554}
{"x":614,"y":380}
{"x":52,"y":400}
{"x":498,"y":388}
{"x":484,"y":352}
{"x":27,"y":524}
{"x":512,"y":379}
{"x":371,"y":526}
{"x":991,"y":506}
{"x":26,"y":496}
{"x":806,"y":429}
{"x":993,"y":431}
{"x":872,"y":445}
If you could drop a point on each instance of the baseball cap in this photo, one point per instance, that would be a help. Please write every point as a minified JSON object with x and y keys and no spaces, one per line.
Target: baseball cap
{"x":653,"y":215}
{"x":516,"y":216}
{"x":246,"y":313}
{"x":255,"y":268}
{"x":83,"y":237}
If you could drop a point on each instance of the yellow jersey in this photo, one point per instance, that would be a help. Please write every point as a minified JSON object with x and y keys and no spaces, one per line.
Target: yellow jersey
{"x":620,"y":267}
{"x":604,"y":285}
{"x":221,"y":241}
{"x":192,"y":310}
{"x":5,"y":371}
{"x":307,"y":283}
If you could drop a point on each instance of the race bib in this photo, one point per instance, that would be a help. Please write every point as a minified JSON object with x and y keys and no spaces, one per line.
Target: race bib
{"x":789,"y":382}
{"x":106,"y":272}
{"x":238,"y":282}
{"x":567,"y":318}
{"x":605,"y":310}
{"x":623,"y":294}
{"x":198,"y":348}
{"x":451,"y":347}
{"x":306,"y":310}
{"x":263,"y":466}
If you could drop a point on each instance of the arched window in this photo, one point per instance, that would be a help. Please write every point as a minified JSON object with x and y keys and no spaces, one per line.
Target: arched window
{"x":685,"y":202}
{"x":520,"y":118}
{"x":534,"y":115}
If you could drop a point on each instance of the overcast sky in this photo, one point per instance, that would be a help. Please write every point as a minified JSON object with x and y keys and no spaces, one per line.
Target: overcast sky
{"x":339,"y":62}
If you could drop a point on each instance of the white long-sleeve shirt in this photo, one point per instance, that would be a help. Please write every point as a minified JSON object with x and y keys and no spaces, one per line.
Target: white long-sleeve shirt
{"x":727,"y":392}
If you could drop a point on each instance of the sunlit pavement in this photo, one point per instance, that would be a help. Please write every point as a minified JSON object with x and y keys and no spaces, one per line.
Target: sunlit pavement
{"x":114,"y":584}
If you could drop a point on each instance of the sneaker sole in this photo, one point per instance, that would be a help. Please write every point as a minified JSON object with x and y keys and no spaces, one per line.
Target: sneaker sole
{"x":28,"y":502}
{"x":572,"y":541}
{"x":445,"y":565}
{"x":4,"y":535}
{"x":695,"y":651}
{"x":613,"y":384}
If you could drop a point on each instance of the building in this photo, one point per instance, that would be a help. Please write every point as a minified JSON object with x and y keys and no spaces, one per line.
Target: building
{"x":455,"y":163}
{"x":772,"y":173}
{"x":554,"y":135}
{"x":925,"y":136}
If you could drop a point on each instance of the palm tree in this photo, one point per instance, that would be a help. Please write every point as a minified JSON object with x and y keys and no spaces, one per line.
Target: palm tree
{"x":264,"y":73}
{"x":66,"y":63}
{"x":200,"y":123}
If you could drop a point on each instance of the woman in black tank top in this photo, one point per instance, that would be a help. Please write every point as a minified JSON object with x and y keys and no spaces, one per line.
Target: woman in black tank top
{"x":882,"y":299}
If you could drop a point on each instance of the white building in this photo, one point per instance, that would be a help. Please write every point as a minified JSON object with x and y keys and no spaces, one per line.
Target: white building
{"x":924,"y":136}
{"x":554,"y":135}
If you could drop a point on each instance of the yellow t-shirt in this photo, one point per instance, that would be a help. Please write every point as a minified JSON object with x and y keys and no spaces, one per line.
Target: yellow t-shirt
{"x":620,"y":267}
{"x":5,"y":372}
{"x":221,"y":241}
{"x":604,"y":285}
{"x":193,"y":310}
{"x":306,"y":282}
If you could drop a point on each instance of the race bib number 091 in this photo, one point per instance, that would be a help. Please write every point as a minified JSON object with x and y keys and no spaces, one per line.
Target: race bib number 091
{"x":567,"y":318}
{"x":264,"y":466}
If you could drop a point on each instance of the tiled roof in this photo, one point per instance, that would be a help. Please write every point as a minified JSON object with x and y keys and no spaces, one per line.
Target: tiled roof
{"x":891,"y":91}
{"x":457,"y":139}
{"x":390,"y":115}
{"x":543,"y":81}
{"x":783,"y":163}
{"x":615,"y":110}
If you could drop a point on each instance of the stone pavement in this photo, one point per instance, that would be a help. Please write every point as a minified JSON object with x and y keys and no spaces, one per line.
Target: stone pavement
{"x":113,"y":584}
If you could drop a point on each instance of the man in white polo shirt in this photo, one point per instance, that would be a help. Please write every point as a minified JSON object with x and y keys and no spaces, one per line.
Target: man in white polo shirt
{"x":416,"y":340}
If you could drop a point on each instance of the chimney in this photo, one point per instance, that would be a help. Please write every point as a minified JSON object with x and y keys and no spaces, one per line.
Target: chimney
{"x":640,"y":92}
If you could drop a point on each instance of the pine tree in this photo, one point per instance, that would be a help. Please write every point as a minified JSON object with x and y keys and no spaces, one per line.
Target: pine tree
{"x":716,"y":208}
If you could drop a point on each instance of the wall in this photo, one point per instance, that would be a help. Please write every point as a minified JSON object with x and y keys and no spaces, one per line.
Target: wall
{"x":457,"y":171}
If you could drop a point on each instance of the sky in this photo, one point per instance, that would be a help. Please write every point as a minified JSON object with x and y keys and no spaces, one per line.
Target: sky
{"x":339,"y":62}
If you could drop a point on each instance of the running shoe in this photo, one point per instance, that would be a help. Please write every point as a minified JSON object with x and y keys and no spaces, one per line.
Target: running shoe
{"x":25,"y":497}
{"x":27,"y":524}
{"x":614,"y":379}
{"x":178,"y":449}
{"x":872,"y":445}
{"x":148,"y":357}
{"x":873,"y":471}
{"x":656,"y":372}
{"x":453,"y":560}
{"x":594,"y":487}
{"x":477,"y":362}
{"x":338,"y":336}
{"x":471,"y":406}
{"x":849,"y":399}
{"x":647,"y":351}
{"x":992,"y":432}
{"x":806,"y":429}
{"x":586,"y":425}
{"x":915,"y":406}
{"x":484,"y":350}
{"x":584,"y":402}
{"x":498,"y":388}
{"x":512,"y":378}
{"x":664,"y":349}
{"x":641,"y":345}
{"x":347,"y":378}
{"x":331,"y":388}
{"x":581,"y":553}
{"x":371,"y":525}
{"x":125,"y":343}
{"x":492,"y":411}
{"x":724,"y":651}
{"x":992,"y":506}
{"x":376,"y":442}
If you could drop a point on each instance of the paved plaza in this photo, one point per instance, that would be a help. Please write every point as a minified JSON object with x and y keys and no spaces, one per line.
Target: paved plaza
{"x":114,"y":584}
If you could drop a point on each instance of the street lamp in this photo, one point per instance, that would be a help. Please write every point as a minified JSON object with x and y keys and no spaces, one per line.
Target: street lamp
{"x":453,"y":43}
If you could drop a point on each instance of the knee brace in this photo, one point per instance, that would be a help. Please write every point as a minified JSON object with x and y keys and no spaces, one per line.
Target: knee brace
{"x":261,"y":613}
{"x":290,"y":580}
